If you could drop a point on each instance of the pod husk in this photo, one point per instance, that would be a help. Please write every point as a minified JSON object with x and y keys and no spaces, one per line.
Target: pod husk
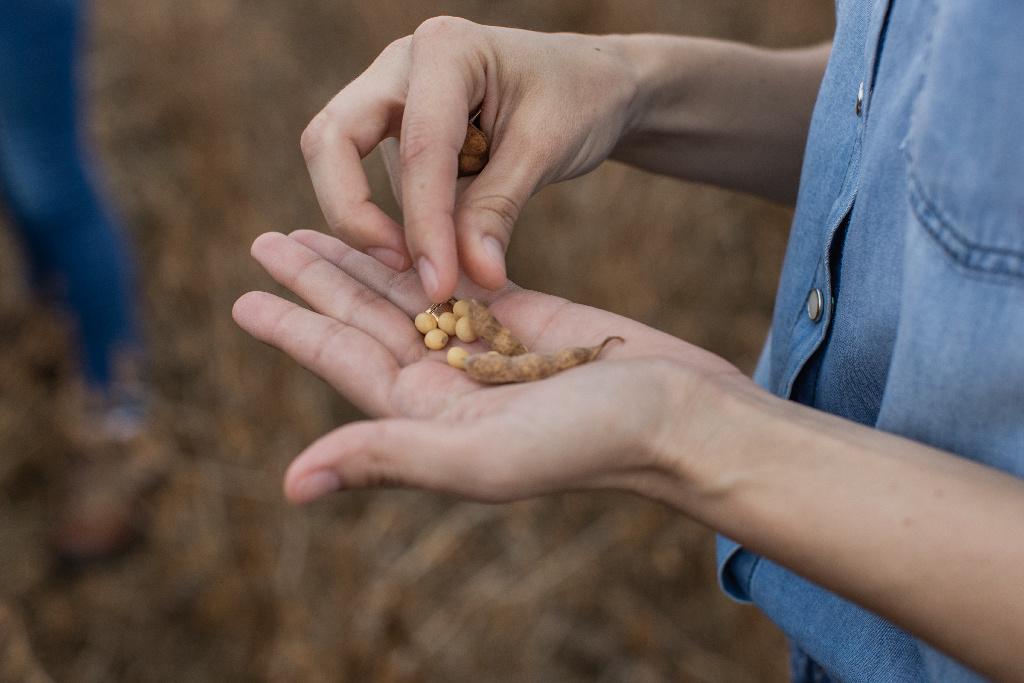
{"x":495,"y":368}
{"x":490,"y":329}
{"x":475,"y":151}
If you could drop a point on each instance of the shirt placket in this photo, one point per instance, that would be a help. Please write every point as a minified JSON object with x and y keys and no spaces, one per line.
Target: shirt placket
{"x":813,"y":322}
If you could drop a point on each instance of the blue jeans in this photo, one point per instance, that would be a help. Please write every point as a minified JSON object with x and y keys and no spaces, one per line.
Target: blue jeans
{"x":47,"y":185}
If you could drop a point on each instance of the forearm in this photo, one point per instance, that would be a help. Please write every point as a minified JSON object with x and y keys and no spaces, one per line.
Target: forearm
{"x":721,"y":113}
{"x":924,"y":538}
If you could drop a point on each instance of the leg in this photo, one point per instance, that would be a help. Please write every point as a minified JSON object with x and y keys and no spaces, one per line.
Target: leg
{"x":68,"y":233}
{"x":73,"y":245}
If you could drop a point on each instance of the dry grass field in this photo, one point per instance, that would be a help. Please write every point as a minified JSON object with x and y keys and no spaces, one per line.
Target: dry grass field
{"x":196,"y":108}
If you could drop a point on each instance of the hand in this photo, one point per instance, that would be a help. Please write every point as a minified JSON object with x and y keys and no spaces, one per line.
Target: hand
{"x":553,"y":105}
{"x":601,"y":425}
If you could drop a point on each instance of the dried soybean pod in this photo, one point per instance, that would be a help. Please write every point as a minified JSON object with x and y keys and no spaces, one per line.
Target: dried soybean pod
{"x":493,"y":368}
{"x":487,"y":326}
{"x":475,"y":151}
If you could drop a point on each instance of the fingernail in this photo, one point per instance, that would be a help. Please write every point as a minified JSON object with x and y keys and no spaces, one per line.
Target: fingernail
{"x":494,"y":250}
{"x":389,"y":257}
{"x":314,"y":485}
{"x":427,"y":274}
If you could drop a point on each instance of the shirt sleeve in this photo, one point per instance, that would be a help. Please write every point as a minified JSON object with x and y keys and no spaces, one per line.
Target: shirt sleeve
{"x":735,"y":565}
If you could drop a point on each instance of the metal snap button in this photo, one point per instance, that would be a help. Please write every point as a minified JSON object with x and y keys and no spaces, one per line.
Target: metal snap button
{"x":860,"y":99}
{"x":815,"y":305}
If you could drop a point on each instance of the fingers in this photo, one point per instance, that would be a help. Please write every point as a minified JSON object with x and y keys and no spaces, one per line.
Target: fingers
{"x":330,"y":291}
{"x":541,"y":321}
{"x":445,"y":80}
{"x":401,"y":289}
{"x":427,"y":84}
{"x":351,"y":361}
{"x":396,"y":453}
{"x":336,"y":141}
{"x":488,"y":210}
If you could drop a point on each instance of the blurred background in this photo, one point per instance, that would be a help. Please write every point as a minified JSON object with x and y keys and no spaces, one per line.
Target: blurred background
{"x":193,"y":109}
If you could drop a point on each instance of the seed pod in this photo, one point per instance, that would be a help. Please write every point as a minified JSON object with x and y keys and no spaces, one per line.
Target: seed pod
{"x":494,"y":368}
{"x":475,"y":151}
{"x":487,"y":326}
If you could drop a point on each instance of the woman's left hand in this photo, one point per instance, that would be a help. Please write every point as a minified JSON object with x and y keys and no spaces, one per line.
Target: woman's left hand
{"x":607,"y":424}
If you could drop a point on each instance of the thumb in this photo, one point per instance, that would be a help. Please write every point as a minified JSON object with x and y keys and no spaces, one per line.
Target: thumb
{"x":488,"y":210}
{"x":390,"y":453}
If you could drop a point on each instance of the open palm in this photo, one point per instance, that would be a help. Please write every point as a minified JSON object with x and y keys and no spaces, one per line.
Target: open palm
{"x":588,"y":427}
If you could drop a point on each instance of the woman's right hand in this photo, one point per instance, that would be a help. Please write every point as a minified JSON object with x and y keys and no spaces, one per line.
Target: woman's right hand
{"x":553,"y":105}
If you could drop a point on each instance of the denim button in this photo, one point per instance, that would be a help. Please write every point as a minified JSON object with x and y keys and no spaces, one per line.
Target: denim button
{"x":815,"y":304}
{"x":860,"y":99}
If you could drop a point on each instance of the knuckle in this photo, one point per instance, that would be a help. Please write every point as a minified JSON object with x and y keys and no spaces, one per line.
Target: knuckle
{"x":339,"y":224}
{"x":346,"y":225}
{"x":498,"y":207}
{"x":328,"y":344}
{"x":416,"y":143}
{"x":397,"y":47}
{"x":376,"y":469}
{"x":379,"y":466}
{"x":343,"y":220}
{"x":361,"y":299}
{"x":441,"y":27}
{"x":306,"y":270}
{"x":312,"y":139}
{"x":396,"y":282}
{"x":280,"y":326}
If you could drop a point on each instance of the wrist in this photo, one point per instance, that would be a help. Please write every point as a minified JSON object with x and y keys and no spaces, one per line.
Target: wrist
{"x":673,"y":90}
{"x":642,"y":65}
{"x":709,"y":422}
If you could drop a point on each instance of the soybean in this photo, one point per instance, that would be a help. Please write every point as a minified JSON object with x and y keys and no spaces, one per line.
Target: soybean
{"x":425,"y":323}
{"x":461,"y":308}
{"x":457,"y":357}
{"x":464,"y":330}
{"x":435,"y":339}
{"x":446,"y":321}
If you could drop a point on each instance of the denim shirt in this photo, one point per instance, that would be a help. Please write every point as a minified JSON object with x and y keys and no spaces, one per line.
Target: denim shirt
{"x":901,"y":302}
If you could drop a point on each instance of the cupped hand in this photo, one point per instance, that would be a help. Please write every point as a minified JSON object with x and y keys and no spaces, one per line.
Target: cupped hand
{"x":553,"y":105}
{"x":600,"y":425}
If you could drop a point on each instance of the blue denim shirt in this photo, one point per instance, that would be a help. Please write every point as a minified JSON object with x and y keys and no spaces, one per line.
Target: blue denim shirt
{"x":901,"y":302}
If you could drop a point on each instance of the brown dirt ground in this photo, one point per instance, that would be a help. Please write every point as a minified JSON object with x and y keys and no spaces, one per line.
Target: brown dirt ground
{"x":196,"y":109}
